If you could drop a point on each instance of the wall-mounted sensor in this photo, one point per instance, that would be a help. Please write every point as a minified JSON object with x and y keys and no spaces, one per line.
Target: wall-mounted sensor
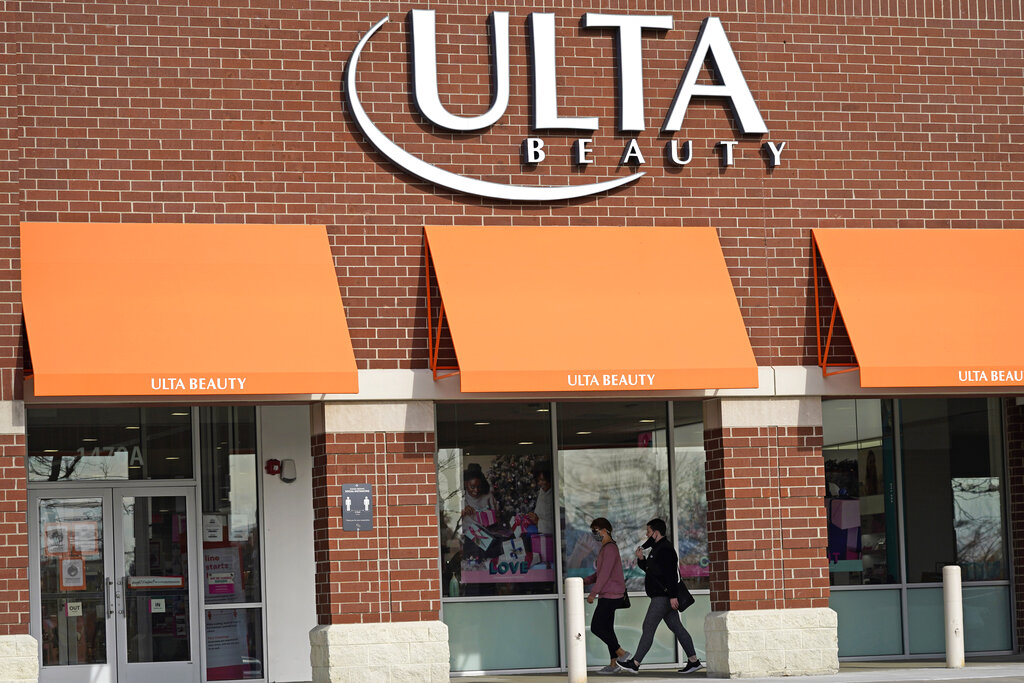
{"x":288,"y":471}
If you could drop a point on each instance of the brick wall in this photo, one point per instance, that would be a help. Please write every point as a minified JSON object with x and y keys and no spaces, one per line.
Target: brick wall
{"x":14,"y":608}
{"x":893,"y":113}
{"x":766,"y":520}
{"x":390,"y":573}
{"x":1015,"y":486}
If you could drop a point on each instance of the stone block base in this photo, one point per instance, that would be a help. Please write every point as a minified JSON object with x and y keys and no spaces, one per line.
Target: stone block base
{"x":404,"y":651}
{"x":19,"y":658}
{"x":781,"y":642}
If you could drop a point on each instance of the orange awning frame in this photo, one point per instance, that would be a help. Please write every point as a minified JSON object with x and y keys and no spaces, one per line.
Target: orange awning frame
{"x":434,"y":337}
{"x":823,"y":351}
{"x":553,"y":309}
{"x":173,"y":310}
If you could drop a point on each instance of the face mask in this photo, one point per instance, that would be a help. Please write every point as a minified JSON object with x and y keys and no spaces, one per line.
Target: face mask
{"x":649,"y":543}
{"x":597,"y":534}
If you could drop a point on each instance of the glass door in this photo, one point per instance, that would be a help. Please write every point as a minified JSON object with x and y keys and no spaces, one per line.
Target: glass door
{"x":72,"y":585}
{"x":114,"y":576}
{"x":154,"y":569}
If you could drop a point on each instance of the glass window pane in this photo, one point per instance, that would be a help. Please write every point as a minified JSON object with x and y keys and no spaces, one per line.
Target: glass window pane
{"x":869,"y":622}
{"x":612,"y":463}
{"x":82,"y":444}
{"x":156,"y":589}
{"x":691,"y":503}
{"x":520,"y":634}
{"x":953,"y":488}
{"x":72,"y":581}
{"x":986,"y":619}
{"x":234,"y":644}
{"x":496,"y":495}
{"x":231,"y":539}
{"x":860,"y":496}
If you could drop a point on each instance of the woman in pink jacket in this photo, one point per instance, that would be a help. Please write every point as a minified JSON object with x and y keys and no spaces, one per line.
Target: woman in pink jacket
{"x":608,"y":585}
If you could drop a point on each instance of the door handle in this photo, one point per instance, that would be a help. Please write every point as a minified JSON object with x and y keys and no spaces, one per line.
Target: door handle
{"x":110,"y":597}
{"x":119,"y":593}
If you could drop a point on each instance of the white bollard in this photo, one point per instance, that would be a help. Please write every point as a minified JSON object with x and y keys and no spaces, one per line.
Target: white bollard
{"x":575,"y":630}
{"x":952,"y":603}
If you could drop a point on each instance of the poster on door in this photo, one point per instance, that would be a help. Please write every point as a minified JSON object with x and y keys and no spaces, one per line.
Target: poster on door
{"x":223,"y":571}
{"x":226,"y":637}
{"x":72,"y":574}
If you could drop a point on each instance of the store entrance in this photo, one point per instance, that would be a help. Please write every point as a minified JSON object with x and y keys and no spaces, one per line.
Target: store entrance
{"x":113,"y":574}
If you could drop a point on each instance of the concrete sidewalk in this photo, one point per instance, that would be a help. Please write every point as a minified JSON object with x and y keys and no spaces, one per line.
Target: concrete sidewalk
{"x":1007,"y":668}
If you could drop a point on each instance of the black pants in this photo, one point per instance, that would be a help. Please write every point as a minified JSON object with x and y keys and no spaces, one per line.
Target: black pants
{"x":603,"y":623}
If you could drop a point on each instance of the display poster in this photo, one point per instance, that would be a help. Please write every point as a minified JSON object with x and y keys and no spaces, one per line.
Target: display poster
{"x":356,"y":507}
{"x":56,"y":539}
{"x":223,"y":572}
{"x":213,"y":528}
{"x":226,"y":635}
{"x":72,"y":574}
{"x":503,"y":517}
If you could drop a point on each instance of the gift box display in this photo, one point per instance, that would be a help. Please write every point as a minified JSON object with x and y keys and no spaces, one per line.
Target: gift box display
{"x":486,"y":517}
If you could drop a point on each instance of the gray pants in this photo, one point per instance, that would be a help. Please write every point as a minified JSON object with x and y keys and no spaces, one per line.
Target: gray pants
{"x":661,"y":610}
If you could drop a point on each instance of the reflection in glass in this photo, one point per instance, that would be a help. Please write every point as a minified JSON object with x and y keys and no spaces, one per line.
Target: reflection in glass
{"x":156,"y":590}
{"x":860,"y":496}
{"x":102,"y":444}
{"x":234,"y":644}
{"x":613,"y":463}
{"x":230,"y":523}
{"x":497,"y":499}
{"x":72,"y":582}
{"x":977,"y":522}
{"x":690,"y":497}
{"x":952,"y":481}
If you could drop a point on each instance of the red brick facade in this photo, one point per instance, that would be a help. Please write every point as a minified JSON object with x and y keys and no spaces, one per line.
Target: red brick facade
{"x":14,"y":602}
{"x":766,"y":520}
{"x":390,"y":573}
{"x":896,"y":114}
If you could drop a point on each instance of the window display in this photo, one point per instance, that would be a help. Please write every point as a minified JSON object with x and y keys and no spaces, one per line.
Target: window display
{"x":497,"y":507}
{"x":860,"y":491}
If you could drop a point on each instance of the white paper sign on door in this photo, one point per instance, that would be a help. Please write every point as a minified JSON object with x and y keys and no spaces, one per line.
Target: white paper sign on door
{"x":213,"y":528}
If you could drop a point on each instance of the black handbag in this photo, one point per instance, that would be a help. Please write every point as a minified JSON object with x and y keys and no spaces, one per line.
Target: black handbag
{"x":684,"y":597}
{"x":625,"y":602}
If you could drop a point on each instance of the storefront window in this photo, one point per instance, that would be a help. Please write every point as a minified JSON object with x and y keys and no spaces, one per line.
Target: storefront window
{"x":690,"y":496}
{"x":496,"y":485}
{"x":496,"y":492}
{"x":860,"y":495}
{"x":613,"y":463}
{"x":953,"y":488}
{"x":103,"y":444}
{"x":231,"y":544}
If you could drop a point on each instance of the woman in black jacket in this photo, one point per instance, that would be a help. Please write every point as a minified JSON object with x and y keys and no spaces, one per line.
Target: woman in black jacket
{"x":661,"y":583}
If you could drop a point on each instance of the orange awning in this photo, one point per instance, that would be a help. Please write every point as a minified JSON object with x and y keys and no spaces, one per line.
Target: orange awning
{"x":590,"y":309}
{"x":930,"y":308}
{"x":183,"y":310}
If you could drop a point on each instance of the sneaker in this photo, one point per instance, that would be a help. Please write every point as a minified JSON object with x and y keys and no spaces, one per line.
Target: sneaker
{"x":691,"y":667}
{"x":610,"y":669}
{"x":628,"y":665}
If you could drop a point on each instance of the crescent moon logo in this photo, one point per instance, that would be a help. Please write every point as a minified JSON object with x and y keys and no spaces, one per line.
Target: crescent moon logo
{"x":447,"y":179}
